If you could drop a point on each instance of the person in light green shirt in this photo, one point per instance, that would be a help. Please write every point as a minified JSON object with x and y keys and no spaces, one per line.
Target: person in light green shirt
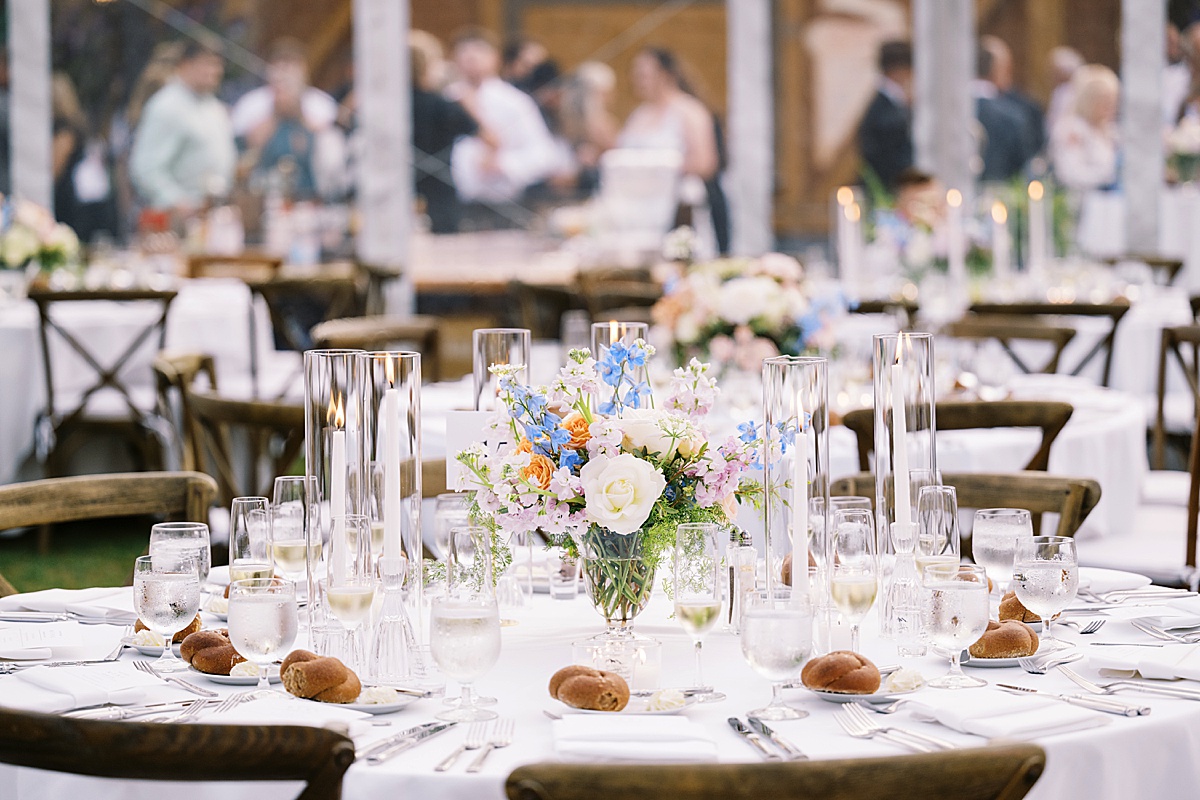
{"x":183,"y":151}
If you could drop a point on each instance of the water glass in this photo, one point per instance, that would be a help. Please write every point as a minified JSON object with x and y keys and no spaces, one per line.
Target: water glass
{"x":451,"y":510}
{"x":166,"y":597}
{"x":465,"y":644}
{"x":183,"y":537}
{"x":938,"y":540}
{"x":776,"y":641}
{"x":250,"y":539}
{"x":469,"y":566}
{"x":854,"y":579}
{"x":698,"y":590}
{"x":263,"y":621}
{"x":994,"y":536}
{"x":956,"y":615}
{"x":1046,"y":579}
{"x":562,"y":573}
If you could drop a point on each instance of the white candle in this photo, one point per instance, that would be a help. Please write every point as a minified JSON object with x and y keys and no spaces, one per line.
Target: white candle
{"x":956,"y":250}
{"x":1001,"y":246}
{"x":337,"y":484}
{"x":800,"y":503}
{"x":1038,"y":239}
{"x":845,"y":238}
{"x":391,"y":466}
{"x":900,"y":441}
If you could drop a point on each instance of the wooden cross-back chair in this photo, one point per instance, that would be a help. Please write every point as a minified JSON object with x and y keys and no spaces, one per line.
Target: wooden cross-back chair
{"x":376,"y":278}
{"x":1113,"y":311}
{"x":958,"y":415}
{"x":1165,"y":269}
{"x":273,"y":430}
{"x":1071,"y":498}
{"x":173,"y":374}
{"x":540,"y":307}
{"x":904,"y":310}
{"x":1002,"y":772}
{"x":1175,"y":341}
{"x":384,"y":333}
{"x":169,"y":752}
{"x":175,"y":495}
{"x":605,"y":289}
{"x":1006,"y":331}
{"x":247,"y":266}
{"x":60,"y":429}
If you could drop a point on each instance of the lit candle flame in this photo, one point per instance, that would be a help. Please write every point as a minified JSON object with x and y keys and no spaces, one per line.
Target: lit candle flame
{"x":391,"y":371}
{"x":845,"y":196}
{"x":1036,"y":190}
{"x":337,"y":411}
{"x":612,"y":330}
{"x":954,"y":198}
{"x":999,"y":213}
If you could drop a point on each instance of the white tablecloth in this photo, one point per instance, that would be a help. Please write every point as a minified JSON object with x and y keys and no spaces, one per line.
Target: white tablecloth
{"x":1151,"y":756}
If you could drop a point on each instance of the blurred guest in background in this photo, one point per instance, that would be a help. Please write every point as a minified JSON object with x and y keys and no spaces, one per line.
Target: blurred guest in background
{"x":1083,"y":144}
{"x":183,"y":151}
{"x":1004,"y":148}
{"x":586,"y":120}
{"x":82,"y":189}
{"x":1176,"y":77}
{"x":522,"y":152}
{"x":287,"y":76}
{"x":1063,"y":63}
{"x":885,"y":133}
{"x":1001,"y":76}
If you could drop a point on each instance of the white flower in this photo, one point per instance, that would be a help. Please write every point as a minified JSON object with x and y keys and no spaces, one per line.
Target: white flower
{"x":743,"y":299}
{"x":20,"y":245}
{"x":659,"y":432}
{"x":620,"y":491}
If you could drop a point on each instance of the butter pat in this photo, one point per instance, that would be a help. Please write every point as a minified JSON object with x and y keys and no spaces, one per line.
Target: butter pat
{"x":246,"y":669}
{"x":378,"y":696}
{"x":903,"y":680}
{"x":666,"y":700}
{"x":149,"y":638}
{"x":218,"y":604}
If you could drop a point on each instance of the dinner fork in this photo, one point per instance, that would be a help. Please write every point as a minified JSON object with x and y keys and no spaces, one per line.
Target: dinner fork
{"x":501,"y":737}
{"x":1178,"y":692}
{"x":1038,"y":666}
{"x":1157,"y":632}
{"x":883,"y":708}
{"x":861,"y":730}
{"x":475,"y":740}
{"x":229,"y":703}
{"x":1085,"y":629}
{"x":146,"y":667}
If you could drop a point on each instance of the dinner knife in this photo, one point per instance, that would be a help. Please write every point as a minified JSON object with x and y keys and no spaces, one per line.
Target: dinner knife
{"x":1096,"y":703}
{"x":792,"y":752}
{"x":401,"y":742}
{"x":754,"y":739}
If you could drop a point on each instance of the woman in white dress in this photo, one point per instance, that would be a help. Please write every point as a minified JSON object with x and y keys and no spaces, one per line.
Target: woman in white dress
{"x":1084,"y":144}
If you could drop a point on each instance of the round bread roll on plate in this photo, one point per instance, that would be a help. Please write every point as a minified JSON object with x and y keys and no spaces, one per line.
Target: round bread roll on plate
{"x":841,"y":672}
{"x":1007,"y":639}
{"x":589,"y":689}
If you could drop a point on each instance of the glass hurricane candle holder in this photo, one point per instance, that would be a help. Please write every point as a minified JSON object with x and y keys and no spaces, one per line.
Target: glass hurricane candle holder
{"x":493,"y":347}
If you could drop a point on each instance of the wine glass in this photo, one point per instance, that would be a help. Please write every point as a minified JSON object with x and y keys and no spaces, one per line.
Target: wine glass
{"x":450,"y":511}
{"x":1046,"y":578}
{"x":263,"y":619}
{"x":776,"y":641}
{"x":249,"y":539}
{"x":938,"y":540}
{"x":350,"y":582}
{"x":293,"y":522}
{"x":190,"y":537}
{"x":994,"y":536}
{"x":469,"y":574}
{"x":855,"y":577}
{"x":166,"y":597}
{"x":698,"y":590}
{"x":956,"y":615}
{"x":465,"y":643}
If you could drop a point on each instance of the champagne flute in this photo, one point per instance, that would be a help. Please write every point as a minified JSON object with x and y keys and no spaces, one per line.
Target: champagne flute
{"x":776,"y":641}
{"x":181,"y":537}
{"x":263,"y":620}
{"x":956,"y":615}
{"x":349,"y":582}
{"x":166,"y":597}
{"x":855,"y":578}
{"x":994,"y":536}
{"x":295,"y":535}
{"x":938,"y":540}
{"x":1046,"y":578}
{"x":698,"y":592}
{"x":465,"y":644}
{"x":249,"y":539}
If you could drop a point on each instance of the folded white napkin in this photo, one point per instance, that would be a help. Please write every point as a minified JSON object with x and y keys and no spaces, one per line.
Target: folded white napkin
{"x":219,"y":576}
{"x":996,"y":714}
{"x":54,"y":689}
{"x":37,"y":641}
{"x":116,"y":608}
{"x":632,"y":737}
{"x":1168,"y":662}
{"x":288,"y":710}
{"x":57,"y":601}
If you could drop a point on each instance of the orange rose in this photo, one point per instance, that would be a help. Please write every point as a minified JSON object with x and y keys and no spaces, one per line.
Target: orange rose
{"x":577,"y":426}
{"x":538,"y":471}
{"x":524,"y":446}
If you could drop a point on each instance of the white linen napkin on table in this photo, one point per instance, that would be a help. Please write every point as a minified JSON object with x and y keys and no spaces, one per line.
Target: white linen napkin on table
{"x":632,"y":737}
{"x":55,"y":689}
{"x":1168,"y":662}
{"x":113,"y":604}
{"x":37,"y":641}
{"x":287,"y":710}
{"x":996,"y":714}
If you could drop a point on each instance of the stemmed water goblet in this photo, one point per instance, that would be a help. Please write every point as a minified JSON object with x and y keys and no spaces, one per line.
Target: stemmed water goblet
{"x":166,"y":597}
{"x":956,"y":615}
{"x":469,"y":573}
{"x":1046,"y":579}
{"x":183,"y":537}
{"x":698,"y":591}
{"x":465,"y":644}
{"x":854,"y":578}
{"x":777,"y":638}
{"x":263,"y":620}
{"x":994,"y":536}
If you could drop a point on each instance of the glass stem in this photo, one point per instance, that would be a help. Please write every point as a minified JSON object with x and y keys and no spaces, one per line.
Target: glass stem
{"x":854,"y":637}
{"x":776,"y":695}
{"x":955,"y":667}
{"x":264,"y":683}
{"x":699,"y":669}
{"x":467,"y":700}
{"x":1049,"y":637}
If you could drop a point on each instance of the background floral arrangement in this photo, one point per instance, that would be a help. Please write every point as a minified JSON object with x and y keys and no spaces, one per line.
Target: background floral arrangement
{"x":1183,"y":149}
{"x":738,"y":311}
{"x":32,"y":237}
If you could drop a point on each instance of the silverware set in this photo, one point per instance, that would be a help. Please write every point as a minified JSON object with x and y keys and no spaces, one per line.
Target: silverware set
{"x":502,"y":733}
{"x":148,"y":668}
{"x":854,"y":721}
{"x":1141,"y":593}
{"x":385,"y":749}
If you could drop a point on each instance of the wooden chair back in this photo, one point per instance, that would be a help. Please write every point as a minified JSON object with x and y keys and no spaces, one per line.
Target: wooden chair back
{"x":173,"y":373}
{"x":1193,"y":501}
{"x":540,"y":307}
{"x":293,"y":302}
{"x":1114,"y":311}
{"x":1006,"y":331}
{"x":957,"y":415}
{"x":606,"y":289}
{"x":1071,"y":498}
{"x":274,"y":432}
{"x":168,"y":752}
{"x":376,"y":277}
{"x":1174,"y":342}
{"x":1165,"y":270}
{"x":1002,"y":772}
{"x":384,"y":333}
{"x":904,"y":310}
{"x":247,"y":267}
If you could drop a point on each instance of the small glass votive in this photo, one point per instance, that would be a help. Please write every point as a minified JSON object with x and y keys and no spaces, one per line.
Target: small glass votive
{"x":562,"y":572}
{"x":637,"y":660}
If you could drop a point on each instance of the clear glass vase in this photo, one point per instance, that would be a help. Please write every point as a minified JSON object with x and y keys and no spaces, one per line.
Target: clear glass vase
{"x":618,"y":578}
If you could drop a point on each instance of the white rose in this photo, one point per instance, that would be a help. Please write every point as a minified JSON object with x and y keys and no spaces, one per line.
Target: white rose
{"x":743,"y":299}
{"x":620,"y":491}
{"x":20,"y":245}
{"x":659,"y":432}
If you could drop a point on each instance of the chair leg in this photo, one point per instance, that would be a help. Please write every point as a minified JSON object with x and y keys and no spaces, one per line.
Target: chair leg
{"x":43,"y":539}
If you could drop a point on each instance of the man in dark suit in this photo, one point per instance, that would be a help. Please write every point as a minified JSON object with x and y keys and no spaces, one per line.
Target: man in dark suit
{"x":885,"y":133}
{"x":1007,"y":140}
{"x":1002,"y":77}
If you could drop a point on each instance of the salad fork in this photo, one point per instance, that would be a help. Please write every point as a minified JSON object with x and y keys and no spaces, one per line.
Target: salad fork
{"x":855,"y":711}
{"x":1038,"y":666}
{"x":1112,"y":687}
{"x":861,"y":730}
{"x":1085,"y":629}
{"x":501,"y":737}
{"x":148,"y":668}
{"x":476,"y":738}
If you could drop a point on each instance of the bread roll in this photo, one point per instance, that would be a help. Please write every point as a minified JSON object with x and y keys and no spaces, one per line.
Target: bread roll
{"x":786,"y":569}
{"x":842,"y":671}
{"x":192,"y":627}
{"x":210,"y":652}
{"x":592,"y":689}
{"x":1012,"y":608}
{"x":1007,"y":639}
{"x":320,"y":678}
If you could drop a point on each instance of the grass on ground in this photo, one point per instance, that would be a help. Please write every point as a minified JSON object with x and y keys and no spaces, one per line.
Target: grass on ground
{"x":82,"y":554}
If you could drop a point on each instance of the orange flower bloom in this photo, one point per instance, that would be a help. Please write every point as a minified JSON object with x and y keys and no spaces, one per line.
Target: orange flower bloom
{"x":538,"y":471}
{"x":524,"y":446}
{"x":577,"y":426}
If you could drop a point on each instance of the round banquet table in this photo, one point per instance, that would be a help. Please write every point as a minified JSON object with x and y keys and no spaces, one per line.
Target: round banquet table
{"x":1150,"y":756}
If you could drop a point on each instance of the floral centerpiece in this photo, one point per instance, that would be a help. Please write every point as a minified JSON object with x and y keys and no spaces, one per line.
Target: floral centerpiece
{"x":32,"y":239}
{"x":590,"y":462}
{"x":734,"y":312}
{"x":1183,"y":150}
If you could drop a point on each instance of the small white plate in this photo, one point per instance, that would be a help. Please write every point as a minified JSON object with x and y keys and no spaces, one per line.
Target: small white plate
{"x":637,"y":707}
{"x":882,"y":696}
{"x":149,"y":650}
{"x":403,"y":701}
{"x":989,"y":663}
{"x":239,"y":680}
{"x":1101,"y":580}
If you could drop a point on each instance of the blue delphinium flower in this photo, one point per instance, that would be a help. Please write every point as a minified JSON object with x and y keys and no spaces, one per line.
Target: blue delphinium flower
{"x":569,"y":459}
{"x":748,"y":431}
{"x":610,"y":371}
{"x":638,"y":394}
